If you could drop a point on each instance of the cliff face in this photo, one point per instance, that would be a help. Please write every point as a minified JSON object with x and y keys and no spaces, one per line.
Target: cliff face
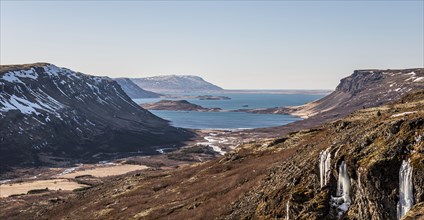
{"x":364,"y":89}
{"x":46,"y":111}
{"x":359,"y":80}
{"x":134,"y":91}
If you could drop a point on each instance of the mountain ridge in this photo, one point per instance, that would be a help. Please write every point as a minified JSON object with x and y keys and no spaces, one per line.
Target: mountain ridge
{"x":387,"y":86}
{"x":47,"y":111}
{"x":366,"y":88}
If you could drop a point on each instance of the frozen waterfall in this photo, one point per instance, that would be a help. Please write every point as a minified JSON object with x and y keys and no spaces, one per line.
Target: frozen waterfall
{"x":324,"y":166}
{"x":342,"y":201}
{"x":406,"y":198}
{"x":287,"y":210}
{"x":343,"y":183}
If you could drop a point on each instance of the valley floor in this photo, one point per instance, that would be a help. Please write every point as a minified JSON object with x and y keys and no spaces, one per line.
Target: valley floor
{"x":67,"y":176}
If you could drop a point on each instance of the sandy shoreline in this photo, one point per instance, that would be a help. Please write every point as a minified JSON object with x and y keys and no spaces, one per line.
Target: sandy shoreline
{"x":105,"y":171}
{"x":65,"y":180}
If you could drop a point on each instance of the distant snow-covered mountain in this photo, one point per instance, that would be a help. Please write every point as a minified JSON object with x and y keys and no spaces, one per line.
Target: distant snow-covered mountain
{"x":176,"y":84}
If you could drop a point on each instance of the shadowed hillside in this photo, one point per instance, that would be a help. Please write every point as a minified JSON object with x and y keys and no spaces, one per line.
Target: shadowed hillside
{"x":47,"y":112}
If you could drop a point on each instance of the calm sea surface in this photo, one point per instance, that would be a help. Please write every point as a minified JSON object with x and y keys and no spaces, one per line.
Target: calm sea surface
{"x":234,"y":120}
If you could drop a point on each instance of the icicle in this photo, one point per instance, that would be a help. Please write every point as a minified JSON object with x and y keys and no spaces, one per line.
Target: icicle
{"x":324,"y":166}
{"x":343,"y":183}
{"x":342,"y":201}
{"x":406,"y":197}
{"x":287,"y":210}
{"x":338,"y":150}
{"x":359,"y":179}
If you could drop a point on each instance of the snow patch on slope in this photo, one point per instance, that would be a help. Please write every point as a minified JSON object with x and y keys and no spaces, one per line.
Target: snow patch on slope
{"x":14,"y":76}
{"x":42,"y":101}
{"x":419,"y":79}
{"x":16,"y":103}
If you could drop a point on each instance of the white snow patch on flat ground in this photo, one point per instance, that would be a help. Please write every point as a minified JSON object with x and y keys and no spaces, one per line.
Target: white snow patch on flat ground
{"x":211,"y":142}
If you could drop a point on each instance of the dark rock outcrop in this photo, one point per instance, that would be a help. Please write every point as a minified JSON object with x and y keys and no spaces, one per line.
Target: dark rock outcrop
{"x":359,"y":80}
{"x":51,"y":111}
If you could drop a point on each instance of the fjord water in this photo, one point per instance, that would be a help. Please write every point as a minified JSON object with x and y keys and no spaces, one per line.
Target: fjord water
{"x":233,"y":120}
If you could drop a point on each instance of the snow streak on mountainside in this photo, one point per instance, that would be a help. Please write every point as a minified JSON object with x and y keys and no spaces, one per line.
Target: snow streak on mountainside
{"x":47,"y":110}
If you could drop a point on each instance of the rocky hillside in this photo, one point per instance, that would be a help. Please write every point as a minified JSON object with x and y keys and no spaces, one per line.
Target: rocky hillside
{"x":369,"y":165}
{"x":362,"y":89}
{"x":365,"y":166}
{"x":134,"y":91}
{"x":176,"y":84}
{"x":48,"y":113}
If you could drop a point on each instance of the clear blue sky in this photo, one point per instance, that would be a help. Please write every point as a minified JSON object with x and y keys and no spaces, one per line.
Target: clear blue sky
{"x":237,"y":44}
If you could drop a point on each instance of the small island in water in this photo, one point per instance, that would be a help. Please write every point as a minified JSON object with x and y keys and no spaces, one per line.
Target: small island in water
{"x":178,"y":105}
{"x":210,"y":97}
{"x":200,"y":97}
